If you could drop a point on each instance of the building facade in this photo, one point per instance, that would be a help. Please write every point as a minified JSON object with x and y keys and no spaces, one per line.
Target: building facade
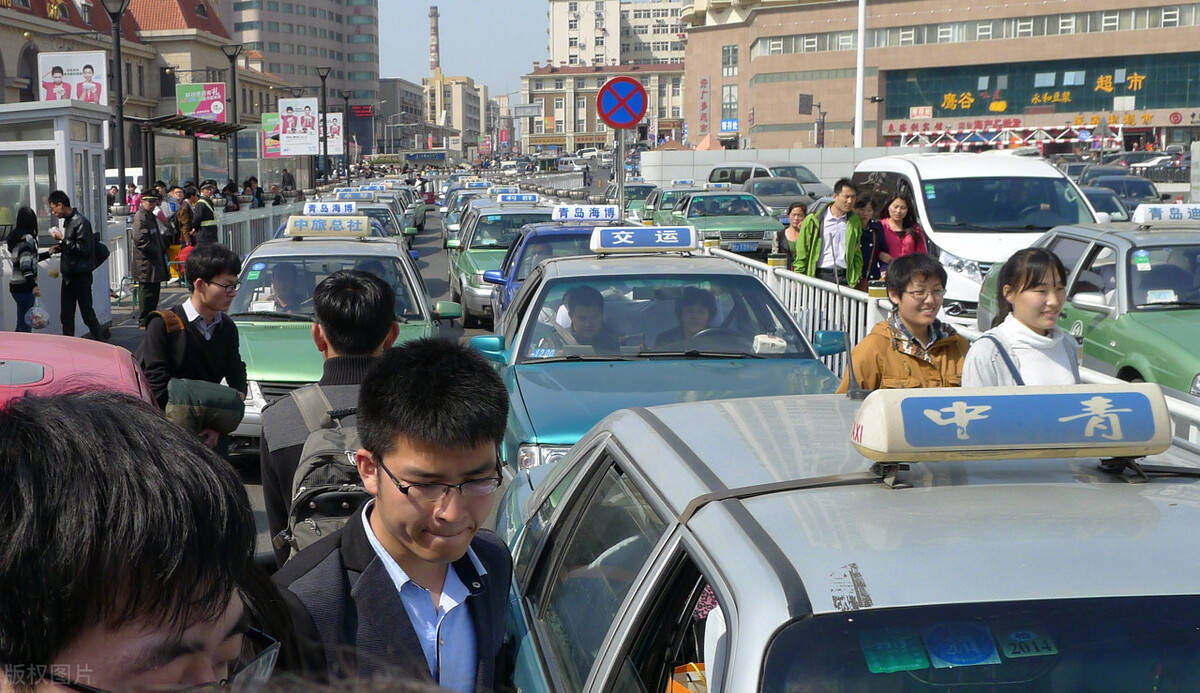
{"x":613,"y":32}
{"x":567,"y":99}
{"x":1064,"y":74}
{"x":457,"y":103}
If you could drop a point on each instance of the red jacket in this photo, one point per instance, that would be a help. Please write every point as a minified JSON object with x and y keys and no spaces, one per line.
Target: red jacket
{"x":898,"y":246}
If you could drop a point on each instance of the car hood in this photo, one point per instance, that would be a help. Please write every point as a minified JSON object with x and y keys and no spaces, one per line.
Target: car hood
{"x":1178,"y":326}
{"x":278,"y":351}
{"x":735,"y":223}
{"x":483,"y":260}
{"x":780,"y":202}
{"x":984,"y":246}
{"x":564,"y":400}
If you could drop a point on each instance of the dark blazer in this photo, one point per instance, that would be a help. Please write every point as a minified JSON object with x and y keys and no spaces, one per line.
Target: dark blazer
{"x":148,"y":262}
{"x":78,"y":246}
{"x":165,"y":354}
{"x":350,"y":621}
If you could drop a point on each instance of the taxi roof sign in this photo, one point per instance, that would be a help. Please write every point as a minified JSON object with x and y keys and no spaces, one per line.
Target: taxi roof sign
{"x":343,"y":189}
{"x":518,"y":198}
{"x":327,"y":208}
{"x":718,"y":186}
{"x":325,"y":226}
{"x":683,"y":181}
{"x":478,"y":184}
{"x":585,"y":213}
{"x":644,"y":239}
{"x":373,"y":186}
{"x":635,"y":179}
{"x":505,"y":190}
{"x":1150,"y":214}
{"x":360,"y":195}
{"x":992,"y":423}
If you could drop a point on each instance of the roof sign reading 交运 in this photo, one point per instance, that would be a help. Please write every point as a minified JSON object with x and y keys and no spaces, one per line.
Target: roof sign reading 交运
{"x":643,"y":239}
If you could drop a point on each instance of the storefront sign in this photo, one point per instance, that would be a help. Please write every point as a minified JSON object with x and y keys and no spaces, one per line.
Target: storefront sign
{"x":704,"y":96}
{"x":205,"y":101}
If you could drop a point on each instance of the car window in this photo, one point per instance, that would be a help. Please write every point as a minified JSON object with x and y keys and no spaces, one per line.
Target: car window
{"x":496,"y":231}
{"x":284,"y":285}
{"x":739,"y":175}
{"x":637,"y":192}
{"x":1107,"y":201}
{"x":990,"y":204}
{"x":613,"y":538}
{"x":800,"y":173}
{"x":655,"y":316}
{"x":537,"y":525}
{"x":510,"y":320}
{"x":384,"y":217}
{"x":775,"y":186}
{"x":719,"y":175}
{"x":1098,"y":274}
{"x":1140,"y":188}
{"x":726,"y":205}
{"x":551,"y":246}
{"x":1069,"y":250}
{"x":1164,"y":277}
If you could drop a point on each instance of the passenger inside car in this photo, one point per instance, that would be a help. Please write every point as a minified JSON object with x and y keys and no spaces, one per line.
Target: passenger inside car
{"x":695,"y":311}
{"x":284,"y":289}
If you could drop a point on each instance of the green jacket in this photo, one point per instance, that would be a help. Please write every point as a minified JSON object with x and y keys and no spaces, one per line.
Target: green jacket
{"x":808,"y":246}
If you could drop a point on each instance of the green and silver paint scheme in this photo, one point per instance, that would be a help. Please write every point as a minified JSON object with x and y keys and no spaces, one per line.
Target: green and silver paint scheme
{"x":635,"y":198}
{"x":467,"y":263}
{"x":660,"y":202}
{"x":1122,"y":340}
{"x":748,"y":234}
{"x":280,"y":354}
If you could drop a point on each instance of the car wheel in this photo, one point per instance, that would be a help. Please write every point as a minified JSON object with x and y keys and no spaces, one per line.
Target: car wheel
{"x":469,"y":320}
{"x":455,"y":294}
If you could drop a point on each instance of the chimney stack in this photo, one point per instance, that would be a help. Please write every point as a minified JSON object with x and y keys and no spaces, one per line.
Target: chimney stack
{"x":435,"y":59}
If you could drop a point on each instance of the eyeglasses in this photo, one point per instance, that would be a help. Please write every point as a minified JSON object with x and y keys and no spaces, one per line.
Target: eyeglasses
{"x":229,"y":288}
{"x":434,"y":491}
{"x":251,"y":672}
{"x":922,"y":295}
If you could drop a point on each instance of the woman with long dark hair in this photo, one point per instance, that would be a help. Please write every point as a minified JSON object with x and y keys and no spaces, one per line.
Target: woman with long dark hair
{"x":1025,"y":345}
{"x":902,"y":234}
{"x":22,"y":243}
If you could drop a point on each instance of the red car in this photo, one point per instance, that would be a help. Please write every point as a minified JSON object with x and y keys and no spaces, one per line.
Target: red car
{"x":45,"y":364}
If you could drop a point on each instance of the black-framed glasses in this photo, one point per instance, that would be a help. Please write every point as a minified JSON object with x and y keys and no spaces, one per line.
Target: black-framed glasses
{"x":229,"y":288}
{"x":250,"y":673}
{"x":434,"y":491}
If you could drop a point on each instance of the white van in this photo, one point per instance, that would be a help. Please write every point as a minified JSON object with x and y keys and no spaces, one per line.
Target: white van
{"x":977,"y":210}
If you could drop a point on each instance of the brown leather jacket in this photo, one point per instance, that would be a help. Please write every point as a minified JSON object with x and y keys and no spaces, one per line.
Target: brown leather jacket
{"x":889,"y":358}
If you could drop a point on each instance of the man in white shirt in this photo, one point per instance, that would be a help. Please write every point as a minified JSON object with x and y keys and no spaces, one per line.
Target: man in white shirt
{"x":830,"y":243}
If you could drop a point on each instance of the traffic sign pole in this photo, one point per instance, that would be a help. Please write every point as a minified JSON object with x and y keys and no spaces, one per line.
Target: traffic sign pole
{"x":621,"y":103}
{"x":620,"y":164}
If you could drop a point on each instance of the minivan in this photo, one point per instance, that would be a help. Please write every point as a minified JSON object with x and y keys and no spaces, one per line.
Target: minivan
{"x":977,"y":211}
{"x":738,"y":172}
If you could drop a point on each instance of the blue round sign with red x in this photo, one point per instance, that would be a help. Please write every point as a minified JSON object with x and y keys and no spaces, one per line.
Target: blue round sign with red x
{"x":621,"y":102}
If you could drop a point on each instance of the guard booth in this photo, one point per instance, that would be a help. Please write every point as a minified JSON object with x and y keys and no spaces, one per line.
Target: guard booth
{"x":46,"y":146}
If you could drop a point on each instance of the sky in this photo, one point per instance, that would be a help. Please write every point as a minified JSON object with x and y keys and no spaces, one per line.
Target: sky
{"x":491,"y":41}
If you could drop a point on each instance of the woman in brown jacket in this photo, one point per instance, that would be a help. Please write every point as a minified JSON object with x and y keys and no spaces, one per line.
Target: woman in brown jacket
{"x":912,"y":348}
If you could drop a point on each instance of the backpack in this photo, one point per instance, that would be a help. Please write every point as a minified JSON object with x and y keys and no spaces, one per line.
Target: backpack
{"x":100,"y":255}
{"x":26,"y":263}
{"x":326,"y":488}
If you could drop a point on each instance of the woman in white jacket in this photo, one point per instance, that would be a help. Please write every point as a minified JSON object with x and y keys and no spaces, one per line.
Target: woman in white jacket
{"x":1025,"y":345}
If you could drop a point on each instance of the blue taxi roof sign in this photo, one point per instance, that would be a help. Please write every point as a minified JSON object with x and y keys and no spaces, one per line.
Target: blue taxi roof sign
{"x":325,"y":226}
{"x":478,"y":184}
{"x":635,"y":179}
{"x":373,"y":186}
{"x":1154,"y":214}
{"x":330,"y":208}
{"x":343,"y":189}
{"x":991,"y":423}
{"x":683,"y":181}
{"x":644,"y":239}
{"x":505,"y":190}
{"x":518,"y":198}
{"x":586,"y":213}
{"x":718,"y":186}
{"x":359,"y":195}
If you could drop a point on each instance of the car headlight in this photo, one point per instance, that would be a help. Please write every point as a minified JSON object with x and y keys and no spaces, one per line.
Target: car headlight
{"x":1195,"y":389}
{"x":531,"y":455}
{"x":254,"y":395}
{"x":963,"y":266}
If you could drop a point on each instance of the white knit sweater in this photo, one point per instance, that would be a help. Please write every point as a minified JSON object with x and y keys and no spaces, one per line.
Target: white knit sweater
{"x":1051,"y":359}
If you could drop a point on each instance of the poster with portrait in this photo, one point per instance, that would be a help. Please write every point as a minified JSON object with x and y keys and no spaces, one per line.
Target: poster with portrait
{"x":270,"y":135}
{"x":78,"y":75}
{"x":335,"y":133}
{"x":298,"y":133}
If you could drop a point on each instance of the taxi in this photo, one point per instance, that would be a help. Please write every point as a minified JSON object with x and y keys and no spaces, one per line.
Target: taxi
{"x":274,"y":306}
{"x":1133,"y":295}
{"x":568,"y":235}
{"x":456,"y":202}
{"x":484,"y":240}
{"x":744,"y":224}
{"x":356,"y":203}
{"x":636,"y":192}
{"x":644,"y":321}
{"x":660,"y":202}
{"x":909,"y":542}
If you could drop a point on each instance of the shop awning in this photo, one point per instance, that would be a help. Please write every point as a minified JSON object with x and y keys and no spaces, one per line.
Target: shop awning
{"x":188,"y":124}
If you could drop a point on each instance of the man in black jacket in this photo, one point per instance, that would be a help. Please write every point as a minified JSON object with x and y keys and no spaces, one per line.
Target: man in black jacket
{"x":197,"y":340}
{"x":77,"y":244}
{"x":411,"y":587}
{"x":148,"y":261}
{"x":204,"y":216}
{"x":355,"y":320}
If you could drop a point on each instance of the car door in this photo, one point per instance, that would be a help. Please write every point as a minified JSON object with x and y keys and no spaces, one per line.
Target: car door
{"x":1098,"y":274}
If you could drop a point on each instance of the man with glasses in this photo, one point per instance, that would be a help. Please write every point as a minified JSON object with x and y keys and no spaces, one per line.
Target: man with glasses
{"x":912,"y":348}
{"x":410,"y":587}
{"x":128,"y":559}
{"x":196,"y":340}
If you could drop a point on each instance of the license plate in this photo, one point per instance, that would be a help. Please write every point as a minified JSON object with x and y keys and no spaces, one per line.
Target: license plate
{"x":745,"y":247}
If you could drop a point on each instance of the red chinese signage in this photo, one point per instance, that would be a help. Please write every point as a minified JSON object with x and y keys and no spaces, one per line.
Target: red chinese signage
{"x":705,"y":94}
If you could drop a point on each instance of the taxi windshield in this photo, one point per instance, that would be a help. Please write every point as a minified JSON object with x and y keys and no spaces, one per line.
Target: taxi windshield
{"x":649,"y":316}
{"x":278,"y":287}
{"x":1106,"y":201}
{"x":383,"y":216}
{"x":777,"y":186}
{"x":726,"y":206}
{"x":1096,"y":645}
{"x":551,"y":246}
{"x":458,"y":205}
{"x":637,"y":192}
{"x":1164,"y":277}
{"x":1019,"y":203}
{"x":498,"y":231}
{"x":670,"y":197}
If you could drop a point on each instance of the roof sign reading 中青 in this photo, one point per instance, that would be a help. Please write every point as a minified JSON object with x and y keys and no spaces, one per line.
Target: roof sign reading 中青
{"x":328,"y":208}
{"x":585,"y":213}
{"x":643,"y":239}
{"x":683,"y":181}
{"x":373,"y":186}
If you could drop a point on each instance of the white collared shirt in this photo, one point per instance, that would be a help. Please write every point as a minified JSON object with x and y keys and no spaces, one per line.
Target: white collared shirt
{"x":193,"y":316}
{"x":446,"y":633}
{"x":833,"y":240}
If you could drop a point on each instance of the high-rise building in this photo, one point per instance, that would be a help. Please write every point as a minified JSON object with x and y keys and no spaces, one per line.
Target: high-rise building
{"x":612,"y":32}
{"x":458,"y":103}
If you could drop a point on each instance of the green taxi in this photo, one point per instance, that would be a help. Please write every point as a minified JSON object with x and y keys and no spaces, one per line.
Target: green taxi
{"x":743,"y":223}
{"x":274,"y":305}
{"x":636,"y":192}
{"x":482,"y":243}
{"x":659,"y":203}
{"x":1133,"y":295}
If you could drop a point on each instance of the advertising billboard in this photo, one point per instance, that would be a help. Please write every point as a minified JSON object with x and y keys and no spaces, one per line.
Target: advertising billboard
{"x":205,"y":100}
{"x":270,"y":138}
{"x":298,"y":130}
{"x":79,"y":75}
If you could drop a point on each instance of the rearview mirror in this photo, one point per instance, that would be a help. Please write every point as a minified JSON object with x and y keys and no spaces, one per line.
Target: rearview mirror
{"x":829,"y":342}
{"x":447,"y":310}
{"x":1093,"y":301}
{"x":493,"y":277}
{"x":1103,"y":218}
{"x":490,"y":345}
{"x":452,"y":244}
{"x":410,"y":231}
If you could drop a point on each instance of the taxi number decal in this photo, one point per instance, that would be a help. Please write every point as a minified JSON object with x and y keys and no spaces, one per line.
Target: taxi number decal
{"x":888,"y":650}
{"x":252,"y":274}
{"x":1026,"y":642}
{"x":961,"y":644}
{"x":543,"y":353}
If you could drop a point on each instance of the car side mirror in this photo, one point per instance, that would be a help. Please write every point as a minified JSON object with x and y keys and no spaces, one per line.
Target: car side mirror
{"x":829,"y":342}
{"x":493,"y":277}
{"x":414,"y":255}
{"x":447,"y":310}
{"x":453,"y":244}
{"x":491,"y":346}
{"x":677,"y":214}
{"x":1092,"y":301}
{"x":410,"y":231}
{"x":1103,"y":218}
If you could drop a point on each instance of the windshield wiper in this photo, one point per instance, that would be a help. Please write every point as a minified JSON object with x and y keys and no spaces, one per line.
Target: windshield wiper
{"x":576,"y":357}
{"x":1169,"y":303}
{"x":299,"y":317}
{"x":963,"y":225}
{"x":698,"y":354}
{"x":1036,"y":227}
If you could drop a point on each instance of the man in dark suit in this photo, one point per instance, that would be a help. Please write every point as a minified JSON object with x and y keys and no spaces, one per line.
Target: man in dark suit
{"x":410,"y":587}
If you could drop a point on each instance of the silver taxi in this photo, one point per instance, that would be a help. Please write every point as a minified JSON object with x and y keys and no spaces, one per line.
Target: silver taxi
{"x":909,"y":542}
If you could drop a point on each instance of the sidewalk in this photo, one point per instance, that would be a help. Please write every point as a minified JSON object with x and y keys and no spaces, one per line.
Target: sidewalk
{"x":125,"y":330}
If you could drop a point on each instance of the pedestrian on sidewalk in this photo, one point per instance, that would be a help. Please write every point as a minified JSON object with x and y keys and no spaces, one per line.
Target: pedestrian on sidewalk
{"x":149,"y":257}
{"x":77,"y":246}
{"x":830,"y":246}
{"x":22,"y":246}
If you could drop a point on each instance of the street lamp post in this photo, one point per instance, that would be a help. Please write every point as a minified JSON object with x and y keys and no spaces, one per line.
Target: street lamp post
{"x":232,"y":51}
{"x":116,"y":10}
{"x":323,"y":73}
{"x":346,"y":131}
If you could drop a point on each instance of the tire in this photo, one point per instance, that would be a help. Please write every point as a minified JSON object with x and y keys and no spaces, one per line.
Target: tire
{"x":456,"y":294}
{"x":470,"y":321}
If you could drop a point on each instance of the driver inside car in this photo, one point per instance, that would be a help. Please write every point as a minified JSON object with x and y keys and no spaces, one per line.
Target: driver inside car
{"x":694,"y":309}
{"x":585,"y":310}
{"x":283,"y":288}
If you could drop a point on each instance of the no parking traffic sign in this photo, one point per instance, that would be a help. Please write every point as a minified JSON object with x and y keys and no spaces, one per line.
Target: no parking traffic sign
{"x":621,"y":102}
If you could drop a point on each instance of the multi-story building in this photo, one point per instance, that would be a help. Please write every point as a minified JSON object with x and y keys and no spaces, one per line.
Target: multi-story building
{"x":567,"y":98}
{"x":612,"y":32}
{"x":1061,"y":74}
{"x":458,"y":103}
{"x":401,"y":114}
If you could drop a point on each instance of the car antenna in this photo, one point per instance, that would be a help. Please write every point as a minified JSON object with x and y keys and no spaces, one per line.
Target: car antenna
{"x":853,"y":389}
